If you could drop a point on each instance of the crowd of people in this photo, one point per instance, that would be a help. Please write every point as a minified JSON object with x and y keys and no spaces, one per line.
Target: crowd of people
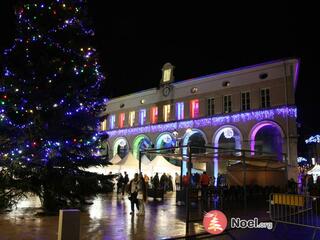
{"x":137,"y":188}
{"x":306,"y":184}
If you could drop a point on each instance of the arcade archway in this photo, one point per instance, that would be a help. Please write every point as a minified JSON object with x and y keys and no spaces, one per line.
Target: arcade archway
{"x":194,"y":137}
{"x":121,"y":147}
{"x":266,"y":138}
{"x":228,"y":137}
{"x":140,"y":143}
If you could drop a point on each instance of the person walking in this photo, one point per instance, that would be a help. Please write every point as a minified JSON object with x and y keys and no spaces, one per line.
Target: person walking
{"x":125,"y":182}
{"x":177,"y":181}
{"x":185,"y":180}
{"x":204,"y":181}
{"x":120,"y":183}
{"x":133,"y":191}
{"x":163,"y":182}
{"x":142,"y":194}
{"x":146,"y":179}
{"x":156,"y":182}
{"x":170,"y":184}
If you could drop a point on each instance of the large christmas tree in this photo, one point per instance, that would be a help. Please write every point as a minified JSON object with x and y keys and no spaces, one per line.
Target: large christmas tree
{"x":49,"y":103}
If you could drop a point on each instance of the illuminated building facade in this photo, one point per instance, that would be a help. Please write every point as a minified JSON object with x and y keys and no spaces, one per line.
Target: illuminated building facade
{"x":250,"y":108}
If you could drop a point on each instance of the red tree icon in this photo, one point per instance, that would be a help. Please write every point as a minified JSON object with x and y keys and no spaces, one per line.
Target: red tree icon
{"x":215,"y":222}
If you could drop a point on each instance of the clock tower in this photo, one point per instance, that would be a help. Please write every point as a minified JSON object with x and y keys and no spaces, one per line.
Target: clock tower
{"x":167,"y":78}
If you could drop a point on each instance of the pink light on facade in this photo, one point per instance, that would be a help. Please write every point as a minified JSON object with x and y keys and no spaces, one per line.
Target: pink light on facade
{"x":122,"y":117}
{"x":154,"y":115}
{"x":194,"y":108}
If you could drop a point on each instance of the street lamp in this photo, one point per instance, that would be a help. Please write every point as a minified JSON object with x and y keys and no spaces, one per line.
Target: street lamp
{"x":178,"y":150}
{"x":177,"y":141}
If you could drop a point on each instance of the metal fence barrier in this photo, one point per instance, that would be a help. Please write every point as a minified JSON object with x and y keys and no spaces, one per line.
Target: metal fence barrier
{"x":300,"y":210}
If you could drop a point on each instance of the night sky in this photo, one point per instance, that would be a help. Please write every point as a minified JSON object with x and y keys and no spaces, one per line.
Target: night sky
{"x":199,"y":40}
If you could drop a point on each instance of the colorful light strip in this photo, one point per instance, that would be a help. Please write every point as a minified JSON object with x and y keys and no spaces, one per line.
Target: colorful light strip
{"x":142,"y":116}
{"x":180,"y":110}
{"x":258,"y":115}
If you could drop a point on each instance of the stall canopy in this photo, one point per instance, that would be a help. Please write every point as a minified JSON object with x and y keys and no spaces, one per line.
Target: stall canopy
{"x":129,"y":161}
{"x":131,"y":165}
{"x":115,"y":159}
{"x":145,"y":160}
{"x":160,"y":165}
{"x":315,"y":172}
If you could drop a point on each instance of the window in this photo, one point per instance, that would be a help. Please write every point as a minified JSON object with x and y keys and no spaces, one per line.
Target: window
{"x":227,"y":104}
{"x":166,"y":75}
{"x":179,"y":110}
{"x":194,"y":108}
{"x":166,"y":112}
{"x":112,"y":121}
{"x":132,"y":116}
{"x":226,"y":84}
{"x":122,"y":117}
{"x":104,"y":125}
{"x":245,"y":101}
{"x":142,"y":116}
{"x":210,"y":107}
{"x":265,"y":97}
{"x":154,"y":115}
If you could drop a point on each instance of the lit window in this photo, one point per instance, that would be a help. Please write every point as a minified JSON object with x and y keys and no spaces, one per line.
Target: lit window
{"x":179,"y":110}
{"x":265,"y":97}
{"x":104,"y":125}
{"x":245,"y":101}
{"x":210,"y":107}
{"x":166,"y":75}
{"x":154,"y":115}
{"x":142,"y":116}
{"x":166,"y":112}
{"x":132,"y":116}
{"x":122,"y":117}
{"x":194,"y":108}
{"x":112,"y":121}
{"x":227,"y":104}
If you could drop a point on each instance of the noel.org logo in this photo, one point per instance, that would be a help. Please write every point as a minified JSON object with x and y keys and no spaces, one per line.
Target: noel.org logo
{"x":215,"y":222}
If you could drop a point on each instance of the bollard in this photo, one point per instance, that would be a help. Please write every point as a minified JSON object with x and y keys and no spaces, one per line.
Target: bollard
{"x":69,"y":224}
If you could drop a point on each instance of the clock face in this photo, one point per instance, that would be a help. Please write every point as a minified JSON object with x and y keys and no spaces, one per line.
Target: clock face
{"x":166,"y":91}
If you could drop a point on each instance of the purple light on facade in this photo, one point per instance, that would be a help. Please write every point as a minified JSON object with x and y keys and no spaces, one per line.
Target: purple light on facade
{"x":142,"y":116}
{"x":258,"y":127}
{"x":268,"y":114}
{"x":253,"y":135}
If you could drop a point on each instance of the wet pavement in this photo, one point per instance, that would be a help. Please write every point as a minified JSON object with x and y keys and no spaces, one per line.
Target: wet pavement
{"x":108,"y":218}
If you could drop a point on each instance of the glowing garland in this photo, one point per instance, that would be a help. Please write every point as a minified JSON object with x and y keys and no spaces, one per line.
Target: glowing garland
{"x":258,"y":115}
{"x":313,"y":139}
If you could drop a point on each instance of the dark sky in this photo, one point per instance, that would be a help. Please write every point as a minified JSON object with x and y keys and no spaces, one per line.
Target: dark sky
{"x":134,"y":43}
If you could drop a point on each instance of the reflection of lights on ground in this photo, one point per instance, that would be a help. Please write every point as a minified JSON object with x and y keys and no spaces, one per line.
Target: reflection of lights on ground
{"x":30,"y":201}
{"x":96,"y":209}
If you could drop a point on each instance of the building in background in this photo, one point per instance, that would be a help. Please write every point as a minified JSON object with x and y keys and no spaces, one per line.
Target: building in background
{"x":247,"y":108}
